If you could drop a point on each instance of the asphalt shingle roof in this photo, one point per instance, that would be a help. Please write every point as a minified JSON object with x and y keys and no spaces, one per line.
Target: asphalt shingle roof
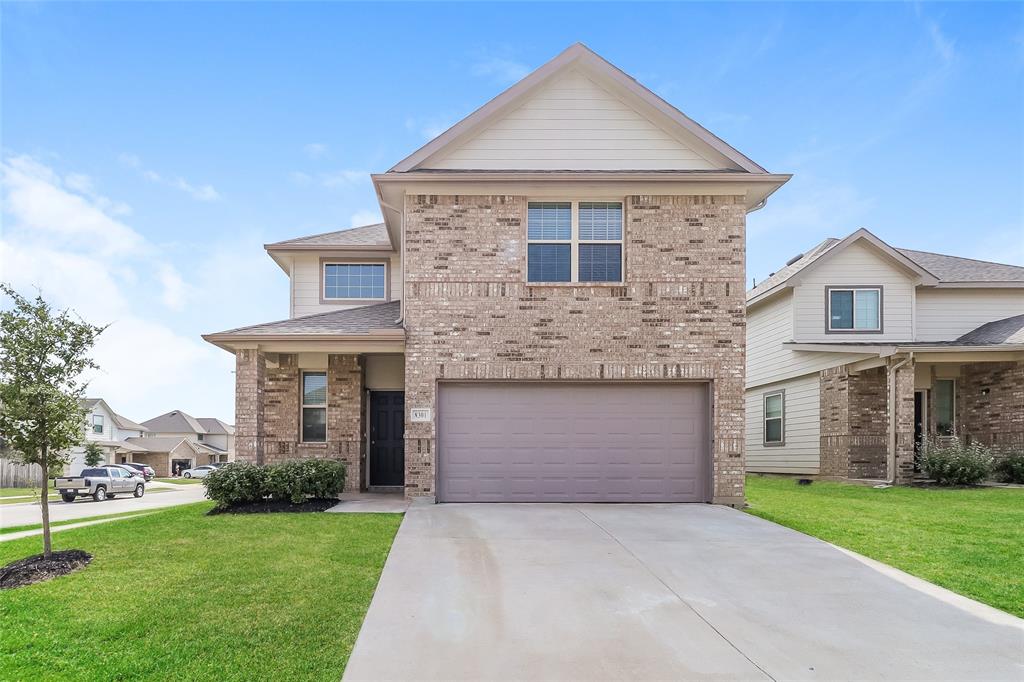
{"x":157,"y":444}
{"x":214,"y":425}
{"x":368,"y":235}
{"x":1009,"y":330}
{"x":175,"y":421}
{"x":352,"y":321}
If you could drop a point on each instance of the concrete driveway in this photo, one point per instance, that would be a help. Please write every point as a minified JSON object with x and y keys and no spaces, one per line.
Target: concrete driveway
{"x":651,"y":592}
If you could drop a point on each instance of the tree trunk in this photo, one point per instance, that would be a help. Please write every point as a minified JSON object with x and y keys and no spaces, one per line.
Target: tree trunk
{"x":45,"y":502}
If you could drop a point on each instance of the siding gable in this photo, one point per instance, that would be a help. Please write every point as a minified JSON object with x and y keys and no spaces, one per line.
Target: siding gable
{"x":573,"y":123}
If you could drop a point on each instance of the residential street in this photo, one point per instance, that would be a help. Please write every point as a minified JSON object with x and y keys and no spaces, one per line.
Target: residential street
{"x":24,"y":514}
{"x":582,"y":591}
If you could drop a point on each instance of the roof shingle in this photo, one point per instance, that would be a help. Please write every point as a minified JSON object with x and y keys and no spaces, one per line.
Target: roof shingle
{"x":370,"y":236}
{"x":353,"y":321}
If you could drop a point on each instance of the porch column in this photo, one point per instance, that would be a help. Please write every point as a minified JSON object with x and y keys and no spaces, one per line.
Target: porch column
{"x":900,"y":375}
{"x":345,"y":411}
{"x":250,"y":378}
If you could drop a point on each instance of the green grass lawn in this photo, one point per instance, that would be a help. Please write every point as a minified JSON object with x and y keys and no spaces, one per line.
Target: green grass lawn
{"x":18,"y":499}
{"x":17,"y":492}
{"x":181,"y":481}
{"x":970,"y":541}
{"x":66,"y":522}
{"x":178,"y":595}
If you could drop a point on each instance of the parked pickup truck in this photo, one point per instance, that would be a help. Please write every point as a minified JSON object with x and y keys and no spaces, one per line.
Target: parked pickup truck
{"x":99,"y":483}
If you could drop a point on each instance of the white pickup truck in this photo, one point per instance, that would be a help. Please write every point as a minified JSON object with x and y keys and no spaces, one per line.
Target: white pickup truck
{"x":99,"y":483}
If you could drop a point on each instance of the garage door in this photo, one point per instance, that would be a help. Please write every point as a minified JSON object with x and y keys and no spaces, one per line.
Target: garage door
{"x":535,"y":442}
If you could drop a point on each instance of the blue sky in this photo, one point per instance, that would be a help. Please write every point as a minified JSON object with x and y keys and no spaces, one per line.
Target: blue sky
{"x":150,"y":149}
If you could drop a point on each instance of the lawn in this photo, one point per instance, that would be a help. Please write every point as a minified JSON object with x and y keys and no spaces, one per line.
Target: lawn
{"x":181,"y":595}
{"x":29,"y":496}
{"x":967,"y":540}
{"x":180,"y":481}
{"x":17,"y":492}
{"x":67,"y":522}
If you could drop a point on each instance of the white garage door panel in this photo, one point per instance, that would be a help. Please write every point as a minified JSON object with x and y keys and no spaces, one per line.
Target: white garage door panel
{"x":535,"y":442}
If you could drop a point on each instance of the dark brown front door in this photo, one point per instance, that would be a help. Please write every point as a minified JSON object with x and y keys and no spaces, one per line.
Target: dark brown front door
{"x":387,"y":438}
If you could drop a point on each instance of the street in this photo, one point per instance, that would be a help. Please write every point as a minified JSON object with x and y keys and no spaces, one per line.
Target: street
{"x":28,"y":513}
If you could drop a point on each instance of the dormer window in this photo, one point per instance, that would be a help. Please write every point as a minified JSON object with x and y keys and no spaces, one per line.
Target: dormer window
{"x":574,"y":241}
{"x":854,"y":309}
{"x":354,"y":281}
{"x":97,"y":423}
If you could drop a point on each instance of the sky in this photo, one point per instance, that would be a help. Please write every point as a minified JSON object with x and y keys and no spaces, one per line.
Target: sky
{"x":149,"y":150}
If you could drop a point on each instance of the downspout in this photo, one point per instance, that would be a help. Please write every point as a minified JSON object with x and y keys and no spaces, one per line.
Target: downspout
{"x":890,"y":464}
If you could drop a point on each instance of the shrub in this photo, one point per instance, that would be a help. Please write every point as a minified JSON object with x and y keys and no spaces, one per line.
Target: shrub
{"x":954,"y":463}
{"x":1010,"y":468}
{"x":236,"y":483}
{"x":240,"y":483}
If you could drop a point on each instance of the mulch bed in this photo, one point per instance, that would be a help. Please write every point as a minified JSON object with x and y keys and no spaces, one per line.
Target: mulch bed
{"x":317,"y":504}
{"x":36,"y":569}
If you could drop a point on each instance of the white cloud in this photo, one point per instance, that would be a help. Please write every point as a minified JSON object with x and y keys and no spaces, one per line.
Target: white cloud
{"x":344,"y":178}
{"x":501,"y":70}
{"x":174,"y":287}
{"x":365,"y":217}
{"x":205,"y":192}
{"x":315,"y":150}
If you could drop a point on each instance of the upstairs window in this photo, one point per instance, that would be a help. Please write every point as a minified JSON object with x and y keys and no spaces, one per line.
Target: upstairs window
{"x":355,"y":281}
{"x":314,"y":407}
{"x":97,"y":423}
{"x":775,"y":418}
{"x":574,"y":241}
{"x":854,"y":309}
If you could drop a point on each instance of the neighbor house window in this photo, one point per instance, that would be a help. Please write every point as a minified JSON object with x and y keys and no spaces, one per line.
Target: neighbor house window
{"x":200,"y":436}
{"x":855,"y":309}
{"x":97,"y":423}
{"x":574,"y":241}
{"x":944,"y":398}
{"x":775,"y":418}
{"x":314,"y":407}
{"x":355,"y":281}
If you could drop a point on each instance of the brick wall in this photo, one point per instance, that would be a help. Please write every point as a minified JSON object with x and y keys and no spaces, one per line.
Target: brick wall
{"x":990,"y":404}
{"x":680,"y":315}
{"x":854,"y":423}
{"x":250,"y":375}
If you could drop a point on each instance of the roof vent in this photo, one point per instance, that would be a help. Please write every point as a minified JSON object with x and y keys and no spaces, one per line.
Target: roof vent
{"x":794,"y":259}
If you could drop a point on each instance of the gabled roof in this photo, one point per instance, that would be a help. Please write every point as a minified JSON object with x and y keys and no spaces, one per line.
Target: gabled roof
{"x":1008,"y":331}
{"x":216,"y":426}
{"x":367,"y":237}
{"x":956,"y":269}
{"x":119,"y":420}
{"x":174,"y":421}
{"x":579,"y":56}
{"x":164,"y":444}
{"x":362,"y":321}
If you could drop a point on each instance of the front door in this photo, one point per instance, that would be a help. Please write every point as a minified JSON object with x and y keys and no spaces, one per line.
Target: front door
{"x":387,"y":438}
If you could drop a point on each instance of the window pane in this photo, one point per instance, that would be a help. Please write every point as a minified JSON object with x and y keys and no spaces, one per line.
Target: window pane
{"x":841,"y":309}
{"x":314,"y":388}
{"x":773,"y":431}
{"x":773,"y":406}
{"x":314,"y":424}
{"x":549,"y":220}
{"x":600,"y":263}
{"x":866,"y":309}
{"x":548,"y":263}
{"x":600,"y":220}
{"x":944,"y":406}
{"x":355,"y":280}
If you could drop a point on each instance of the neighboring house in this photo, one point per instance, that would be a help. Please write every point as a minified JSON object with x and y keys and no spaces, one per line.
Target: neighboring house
{"x":109,"y":430}
{"x":552,"y":309}
{"x":857,"y":350}
{"x":168,"y":455}
{"x":211,"y":439}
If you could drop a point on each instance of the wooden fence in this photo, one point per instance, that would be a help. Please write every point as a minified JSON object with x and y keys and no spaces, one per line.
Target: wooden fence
{"x":17,"y":475}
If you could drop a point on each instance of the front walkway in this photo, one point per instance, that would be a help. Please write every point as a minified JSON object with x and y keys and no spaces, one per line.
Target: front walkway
{"x":658,"y":592}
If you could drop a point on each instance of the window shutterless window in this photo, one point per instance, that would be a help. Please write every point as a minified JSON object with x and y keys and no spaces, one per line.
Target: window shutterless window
{"x":854,"y":309}
{"x":775,"y":418}
{"x":97,"y":423}
{"x":355,"y":281}
{"x":314,"y":407}
{"x":944,"y":406}
{"x":574,"y":241}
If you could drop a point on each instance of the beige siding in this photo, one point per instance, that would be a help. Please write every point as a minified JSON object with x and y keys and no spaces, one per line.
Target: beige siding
{"x":945,"y":314}
{"x":305,"y":282}
{"x":573,"y":123}
{"x":800,"y":453}
{"x":385,"y":372}
{"x":858,"y":264}
{"x":770,"y":325}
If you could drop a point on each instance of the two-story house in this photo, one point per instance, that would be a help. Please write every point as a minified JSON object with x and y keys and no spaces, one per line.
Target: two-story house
{"x":856,"y":351}
{"x":109,"y":430}
{"x":552,"y":309}
{"x":176,"y":441}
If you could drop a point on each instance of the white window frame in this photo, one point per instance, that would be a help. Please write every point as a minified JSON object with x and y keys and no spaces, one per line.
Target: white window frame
{"x":574,"y":240}
{"x":383,"y":262}
{"x":782,"y":419}
{"x":100,"y":424}
{"x":854,"y":290}
{"x":303,"y":406}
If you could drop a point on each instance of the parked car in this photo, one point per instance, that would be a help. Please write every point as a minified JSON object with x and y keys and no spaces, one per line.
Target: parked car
{"x":100,"y":483}
{"x":200,"y":471}
{"x":143,"y":470}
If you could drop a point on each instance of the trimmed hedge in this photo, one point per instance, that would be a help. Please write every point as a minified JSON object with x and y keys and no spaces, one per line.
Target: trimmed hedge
{"x":1010,"y":468}
{"x":241,"y":482}
{"x":954,"y":463}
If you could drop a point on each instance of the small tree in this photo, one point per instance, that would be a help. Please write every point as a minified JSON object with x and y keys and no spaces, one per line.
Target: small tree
{"x":43,"y":354}
{"x":93,"y":454}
